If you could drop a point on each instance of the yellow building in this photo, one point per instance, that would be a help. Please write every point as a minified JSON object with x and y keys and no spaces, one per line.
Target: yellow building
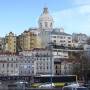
{"x":29,"y":40}
{"x":10,"y":43}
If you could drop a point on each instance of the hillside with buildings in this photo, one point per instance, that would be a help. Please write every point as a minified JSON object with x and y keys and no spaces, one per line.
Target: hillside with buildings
{"x":44,"y":50}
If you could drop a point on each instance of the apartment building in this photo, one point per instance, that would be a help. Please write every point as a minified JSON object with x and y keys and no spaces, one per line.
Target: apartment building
{"x":59,"y":37}
{"x":9,"y":65}
{"x":44,"y":63}
{"x":10,"y":43}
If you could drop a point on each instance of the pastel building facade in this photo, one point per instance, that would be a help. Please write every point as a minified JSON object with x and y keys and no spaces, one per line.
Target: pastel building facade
{"x":10,"y":43}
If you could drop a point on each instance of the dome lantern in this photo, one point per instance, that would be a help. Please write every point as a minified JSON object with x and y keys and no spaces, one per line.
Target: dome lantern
{"x":45,"y":11}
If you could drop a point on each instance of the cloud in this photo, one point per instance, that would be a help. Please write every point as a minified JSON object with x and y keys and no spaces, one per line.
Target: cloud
{"x":84,"y":9}
{"x":75,"y":19}
{"x":80,"y":2}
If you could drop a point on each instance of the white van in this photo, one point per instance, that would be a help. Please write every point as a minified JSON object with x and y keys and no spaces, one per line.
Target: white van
{"x":74,"y":87}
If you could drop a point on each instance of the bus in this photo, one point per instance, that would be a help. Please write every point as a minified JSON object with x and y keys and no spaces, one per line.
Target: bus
{"x":58,"y":80}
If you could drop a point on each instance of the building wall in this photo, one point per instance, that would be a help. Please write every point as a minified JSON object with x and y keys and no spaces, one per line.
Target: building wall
{"x":79,"y":38}
{"x":61,"y":38}
{"x":29,"y":40}
{"x":66,"y":68}
{"x":9,"y":65}
{"x":60,"y":54}
{"x":10,"y":43}
{"x":26,"y":66}
{"x":16,"y":65}
{"x":44,"y":63}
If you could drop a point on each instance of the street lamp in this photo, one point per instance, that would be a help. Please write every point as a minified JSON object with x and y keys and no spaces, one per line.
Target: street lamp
{"x":51,"y":59}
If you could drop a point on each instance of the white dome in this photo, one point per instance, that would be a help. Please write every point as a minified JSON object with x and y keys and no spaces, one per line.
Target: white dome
{"x":45,"y":15}
{"x":44,"y":19}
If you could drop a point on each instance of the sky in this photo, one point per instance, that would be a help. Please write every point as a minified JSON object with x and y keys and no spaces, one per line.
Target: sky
{"x":20,"y":15}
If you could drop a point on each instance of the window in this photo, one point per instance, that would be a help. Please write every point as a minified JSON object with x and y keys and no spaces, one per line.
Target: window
{"x":69,"y":41}
{"x":47,"y":67}
{"x":54,"y":36}
{"x":12,"y":71}
{"x":69,"y":45}
{"x":69,"y":37}
{"x":46,"y":24}
{"x":40,"y":67}
{"x":7,"y":65}
{"x":21,"y":72}
{"x":29,"y":66}
{"x":51,"y":25}
{"x":11,"y":64}
{"x":8,"y":59}
{"x":41,"y":25}
{"x":61,"y":37}
{"x":54,"y":40}
{"x":56,"y":66}
{"x":3,"y":65}
{"x":16,"y":65}
{"x":28,"y":61}
{"x":16,"y":59}
{"x":12,"y":59}
{"x":29,"y":71}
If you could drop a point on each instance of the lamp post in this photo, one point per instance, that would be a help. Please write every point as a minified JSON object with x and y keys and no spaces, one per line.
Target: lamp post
{"x":51,"y":59}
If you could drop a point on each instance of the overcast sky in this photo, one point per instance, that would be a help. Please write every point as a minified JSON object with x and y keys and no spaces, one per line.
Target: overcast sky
{"x":18,"y":15}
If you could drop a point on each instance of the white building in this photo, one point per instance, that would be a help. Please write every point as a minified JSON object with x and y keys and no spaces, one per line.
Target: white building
{"x":44,"y":63}
{"x":60,"y":54}
{"x":16,"y":65}
{"x":45,"y":59}
{"x":9,"y":65}
{"x":26,"y":65}
{"x":59,"y":37}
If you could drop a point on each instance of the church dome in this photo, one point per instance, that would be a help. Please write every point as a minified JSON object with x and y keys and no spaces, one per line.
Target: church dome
{"x":45,"y":15}
{"x":45,"y":20}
